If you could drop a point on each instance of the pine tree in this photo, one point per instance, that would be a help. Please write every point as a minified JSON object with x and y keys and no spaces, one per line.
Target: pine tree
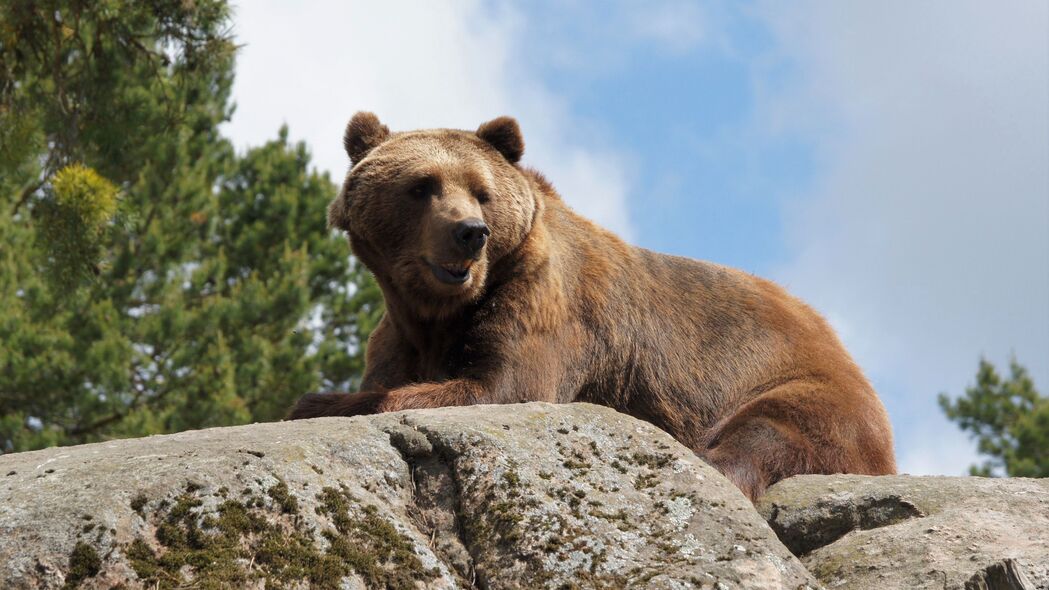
{"x":1008,"y":418}
{"x":153,"y":280}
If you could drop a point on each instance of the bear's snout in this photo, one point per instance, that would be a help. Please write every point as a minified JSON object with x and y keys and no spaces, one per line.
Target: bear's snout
{"x":471,"y":235}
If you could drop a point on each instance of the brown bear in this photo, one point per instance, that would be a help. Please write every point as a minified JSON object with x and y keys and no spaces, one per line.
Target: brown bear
{"x":497,"y":292}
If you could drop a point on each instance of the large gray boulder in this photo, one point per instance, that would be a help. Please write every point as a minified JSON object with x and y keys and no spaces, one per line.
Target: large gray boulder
{"x":523,"y":496}
{"x":915,"y":532}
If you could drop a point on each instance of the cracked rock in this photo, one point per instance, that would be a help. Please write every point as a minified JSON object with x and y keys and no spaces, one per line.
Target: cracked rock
{"x":1004,"y":575}
{"x":522,"y":496}
{"x":915,"y":532}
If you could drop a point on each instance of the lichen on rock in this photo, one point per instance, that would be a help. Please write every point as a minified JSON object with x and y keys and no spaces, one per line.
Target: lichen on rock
{"x":523,"y":496}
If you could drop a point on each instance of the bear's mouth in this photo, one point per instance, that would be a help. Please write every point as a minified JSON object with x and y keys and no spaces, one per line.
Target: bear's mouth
{"x":451,"y":273}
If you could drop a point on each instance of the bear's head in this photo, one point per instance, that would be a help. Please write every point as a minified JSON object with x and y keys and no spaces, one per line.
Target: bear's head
{"x":430,"y":212}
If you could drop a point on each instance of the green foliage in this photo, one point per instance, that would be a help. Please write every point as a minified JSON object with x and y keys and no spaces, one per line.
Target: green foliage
{"x":70,"y":221}
{"x":1008,"y":418}
{"x":152,"y":279}
{"x":81,"y":191}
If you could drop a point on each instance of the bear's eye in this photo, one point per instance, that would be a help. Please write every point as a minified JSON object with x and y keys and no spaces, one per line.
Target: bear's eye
{"x":482,"y":196}
{"x":421,"y":189}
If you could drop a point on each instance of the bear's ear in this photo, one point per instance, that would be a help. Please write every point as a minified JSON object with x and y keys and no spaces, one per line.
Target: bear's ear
{"x":363,"y":133}
{"x":503,"y":134}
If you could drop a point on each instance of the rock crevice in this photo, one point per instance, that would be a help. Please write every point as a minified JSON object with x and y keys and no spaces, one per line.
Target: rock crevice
{"x":827,"y":521}
{"x":436,"y":507}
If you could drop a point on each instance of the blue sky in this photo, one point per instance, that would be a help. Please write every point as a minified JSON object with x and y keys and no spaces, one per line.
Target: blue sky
{"x":888,"y":162}
{"x":681,"y":105}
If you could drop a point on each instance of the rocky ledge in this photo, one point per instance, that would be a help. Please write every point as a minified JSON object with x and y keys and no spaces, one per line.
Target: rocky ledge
{"x":915,"y":532}
{"x":523,"y":496}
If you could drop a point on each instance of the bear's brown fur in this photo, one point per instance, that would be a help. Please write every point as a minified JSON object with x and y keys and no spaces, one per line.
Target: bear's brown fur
{"x":554,"y":308}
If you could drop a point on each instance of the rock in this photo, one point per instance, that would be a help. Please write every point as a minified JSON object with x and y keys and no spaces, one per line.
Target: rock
{"x":1004,"y":575}
{"x":915,"y":532}
{"x":523,"y":496}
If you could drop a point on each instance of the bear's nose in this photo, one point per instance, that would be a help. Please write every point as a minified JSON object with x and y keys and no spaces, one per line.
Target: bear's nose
{"x":471,"y":234}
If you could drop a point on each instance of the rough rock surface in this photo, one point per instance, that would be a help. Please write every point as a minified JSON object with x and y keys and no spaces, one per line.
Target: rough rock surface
{"x":915,"y":532}
{"x":524,"y":496}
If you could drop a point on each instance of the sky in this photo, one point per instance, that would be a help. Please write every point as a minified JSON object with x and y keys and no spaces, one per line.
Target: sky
{"x":887,"y":162}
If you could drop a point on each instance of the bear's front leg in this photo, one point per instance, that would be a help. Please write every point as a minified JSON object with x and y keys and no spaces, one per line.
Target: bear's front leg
{"x":318,"y":405}
{"x":456,"y":392}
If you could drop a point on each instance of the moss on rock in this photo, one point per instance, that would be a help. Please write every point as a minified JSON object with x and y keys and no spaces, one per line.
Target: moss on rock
{"x":244,"y":540}
{"x":84,"y":563}
{"x":138,"y":502}
{"x":370,"y":545}
{"x":288,"y":504}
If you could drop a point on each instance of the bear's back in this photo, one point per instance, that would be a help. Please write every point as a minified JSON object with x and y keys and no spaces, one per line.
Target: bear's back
{"x":673,"y":328}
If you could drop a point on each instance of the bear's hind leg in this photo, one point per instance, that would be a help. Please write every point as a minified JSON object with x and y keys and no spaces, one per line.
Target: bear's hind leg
{"x":800,"y":427}
{"x":758,"y":453}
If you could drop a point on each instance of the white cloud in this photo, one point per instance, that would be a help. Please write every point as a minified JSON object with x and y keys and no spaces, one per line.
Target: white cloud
{"x":940,"y":449}
{"x":416,"y":65}
{"x":679,"y":25}
{"x":926,"y":231}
